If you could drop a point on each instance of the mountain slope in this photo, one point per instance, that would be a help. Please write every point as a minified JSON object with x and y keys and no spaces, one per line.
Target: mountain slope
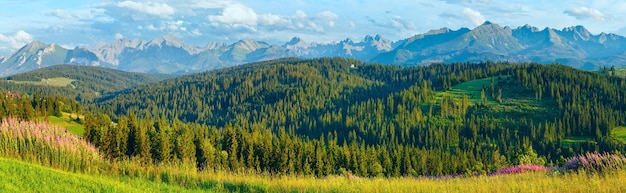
{"x":489,"y":109}
{"x":33,"y":56}
{"x":85,"y":82}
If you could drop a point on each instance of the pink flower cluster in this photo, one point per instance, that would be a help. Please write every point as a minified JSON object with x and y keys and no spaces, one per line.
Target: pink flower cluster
{"x":595,"y":162}
{"x":521,"y":169}
{"x":44,"y":142}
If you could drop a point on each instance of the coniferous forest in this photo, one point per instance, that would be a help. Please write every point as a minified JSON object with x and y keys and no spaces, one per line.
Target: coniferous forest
{"x":330,"y":116}
{"x":321,"y":119}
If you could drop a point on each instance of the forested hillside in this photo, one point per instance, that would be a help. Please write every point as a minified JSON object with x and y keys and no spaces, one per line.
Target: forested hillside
{"x":84,"y":83}
{"x":331,"y":115}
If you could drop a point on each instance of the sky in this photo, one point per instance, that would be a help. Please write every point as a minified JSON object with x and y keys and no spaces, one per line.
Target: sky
{"x":71,"y":23}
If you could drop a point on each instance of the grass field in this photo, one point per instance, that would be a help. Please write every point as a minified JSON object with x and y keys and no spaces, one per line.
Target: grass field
{"x":20,"y":176}
{"x":58,"y":81}
{"x":577,"y":139}
{"x":471,"y":89}
{"x":516,"y":101}
{"x":67,"y":123}
{"x":619,"y":133}
{"x":619,"y":71}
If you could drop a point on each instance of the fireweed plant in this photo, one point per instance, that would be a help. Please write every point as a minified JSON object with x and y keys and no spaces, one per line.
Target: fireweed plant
{"x":47,"y":145}
{"x":594,"y":162}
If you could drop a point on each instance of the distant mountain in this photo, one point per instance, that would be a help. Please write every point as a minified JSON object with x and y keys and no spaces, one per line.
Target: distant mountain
{"x":573,"y":46}
{"x":169,"y":55}
{"x":33,"y":56}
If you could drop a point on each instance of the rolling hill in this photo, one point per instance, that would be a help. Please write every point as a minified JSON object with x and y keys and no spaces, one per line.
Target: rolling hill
{"x":330,"y":124}
{"x":81,"y":82}
{"x":483,"y":113}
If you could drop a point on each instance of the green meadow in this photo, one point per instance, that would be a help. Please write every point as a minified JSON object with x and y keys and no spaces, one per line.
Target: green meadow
{"x":58,"y":81}
{"x":19,"y":176}
{"x":619,"y":133}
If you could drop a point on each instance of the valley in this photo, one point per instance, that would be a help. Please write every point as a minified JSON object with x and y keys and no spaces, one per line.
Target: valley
{"x":312,"y":96}
{"x":288,"y":124}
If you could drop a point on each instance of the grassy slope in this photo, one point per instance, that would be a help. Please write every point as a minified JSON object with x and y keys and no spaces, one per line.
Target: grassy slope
{"x":619,"y":133}
{"x":68,"y":123}
{"x":471,"y":89}
{"x":23,"y":177}
{"x":619,"y":71}
{"x":516,"y":101}
{"x":57,"y":81}
{"x":71,"y":126}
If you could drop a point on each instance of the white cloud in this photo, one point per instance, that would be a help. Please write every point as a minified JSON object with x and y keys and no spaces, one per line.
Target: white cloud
{"x":196,"y":32}
{"x":17,"y":40}
{"x":54,"y":29}
{"x":63,"y":14}
{"x":176,"y":25}
{"x":273,"y":20}
{"x":75,"y":14}
{"x":395,"y":22}
{"x":152,"y":8}
{"x":300,"y":14}
{"x":209,"y":3}
{"x":585,"y":13}
{"x":235,"y":15}
{"x":474,"y":16}
{"x":328,"y":17}
{"x":118,"y":36}
{"x":167,"y":26}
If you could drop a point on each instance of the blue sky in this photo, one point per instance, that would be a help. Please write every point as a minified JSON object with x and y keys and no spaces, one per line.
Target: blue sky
{"x":85,"y":22}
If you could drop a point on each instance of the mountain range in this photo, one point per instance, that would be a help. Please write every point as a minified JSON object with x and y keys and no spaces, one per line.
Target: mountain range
{"x":574,"y":46}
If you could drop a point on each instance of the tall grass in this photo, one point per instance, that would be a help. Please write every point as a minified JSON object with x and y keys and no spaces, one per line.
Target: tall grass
{"x":19,"y":176}
{"x":47,"y":145}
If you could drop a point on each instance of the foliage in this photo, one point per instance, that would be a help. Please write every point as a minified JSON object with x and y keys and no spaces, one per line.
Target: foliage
{"x":294,"y":125}
{"x":530,"y":157}
{"x":319,"y":116}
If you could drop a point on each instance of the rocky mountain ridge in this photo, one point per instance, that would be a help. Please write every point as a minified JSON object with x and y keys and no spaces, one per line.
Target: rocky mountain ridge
{"x":574,"y":46}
